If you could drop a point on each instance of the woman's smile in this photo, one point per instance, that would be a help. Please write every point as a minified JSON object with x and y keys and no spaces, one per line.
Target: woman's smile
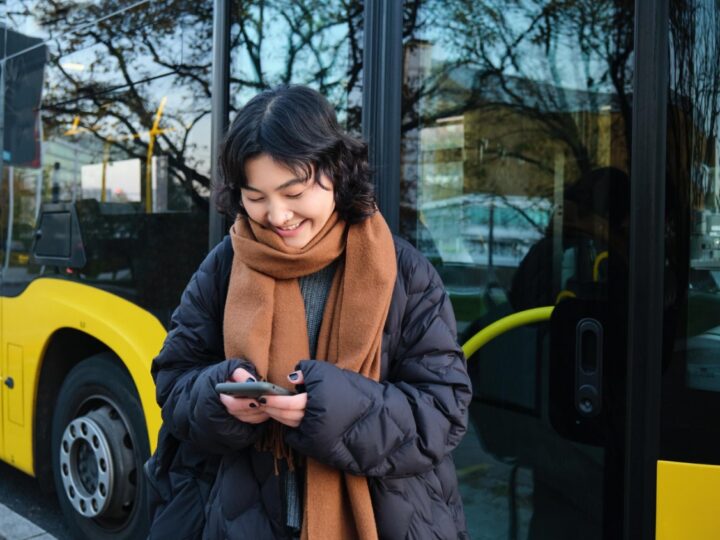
{"x":289,"y":230}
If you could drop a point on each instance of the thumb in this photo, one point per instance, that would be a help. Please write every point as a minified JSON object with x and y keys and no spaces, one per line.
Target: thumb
{"x":296,"y":377}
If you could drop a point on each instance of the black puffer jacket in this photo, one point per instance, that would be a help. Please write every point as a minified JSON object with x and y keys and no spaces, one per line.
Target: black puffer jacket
{"x":398,"y":432}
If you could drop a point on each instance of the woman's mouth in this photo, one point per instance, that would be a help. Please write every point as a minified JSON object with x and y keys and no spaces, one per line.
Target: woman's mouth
{"x":289,"y":230}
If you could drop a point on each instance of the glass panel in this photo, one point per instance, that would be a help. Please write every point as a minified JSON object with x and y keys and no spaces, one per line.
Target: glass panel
{"x":46,"y":20}
{"x":691,"y":381}
{"x":318,"y":44}
{"x":515,"y":183}
{"x":113,"y":120}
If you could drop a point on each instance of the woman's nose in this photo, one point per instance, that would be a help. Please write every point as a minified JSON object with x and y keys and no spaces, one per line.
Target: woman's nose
{"x":278,"y":215}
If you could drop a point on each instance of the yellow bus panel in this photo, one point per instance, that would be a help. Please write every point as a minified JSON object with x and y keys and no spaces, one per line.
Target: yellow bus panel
{"x":31,"y":319}
{"x":14,"y":369}
{"x":687,"y":501}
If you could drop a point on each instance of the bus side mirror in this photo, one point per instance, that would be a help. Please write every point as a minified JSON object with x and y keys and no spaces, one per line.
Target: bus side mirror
{"x":58,"y":241}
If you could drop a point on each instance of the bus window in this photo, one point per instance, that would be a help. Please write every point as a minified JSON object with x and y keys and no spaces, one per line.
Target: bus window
{"x":122,"y":133}
{"x":21,"y":159}
{"x":691,"y":370}
{"x":515,"y":183}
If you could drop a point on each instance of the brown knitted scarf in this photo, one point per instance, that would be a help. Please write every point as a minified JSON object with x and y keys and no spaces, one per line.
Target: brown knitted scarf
{"x":265,"y":323}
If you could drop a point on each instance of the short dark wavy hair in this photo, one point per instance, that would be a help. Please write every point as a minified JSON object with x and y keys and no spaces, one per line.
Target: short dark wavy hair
{"x":297,"y":127}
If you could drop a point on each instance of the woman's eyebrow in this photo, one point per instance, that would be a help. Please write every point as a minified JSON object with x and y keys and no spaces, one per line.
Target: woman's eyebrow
{"x":291,"y":183}
{"x":285,"y":185}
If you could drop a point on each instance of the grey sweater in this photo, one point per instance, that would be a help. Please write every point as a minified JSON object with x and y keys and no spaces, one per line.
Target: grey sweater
{"x":315,"y":289}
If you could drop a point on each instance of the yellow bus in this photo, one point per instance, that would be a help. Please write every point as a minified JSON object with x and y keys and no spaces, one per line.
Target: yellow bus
{"x":559,"y":164}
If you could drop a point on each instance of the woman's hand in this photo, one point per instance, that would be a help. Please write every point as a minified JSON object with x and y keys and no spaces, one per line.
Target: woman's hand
{"x":288,"y":410}
{"x":244,"y":409}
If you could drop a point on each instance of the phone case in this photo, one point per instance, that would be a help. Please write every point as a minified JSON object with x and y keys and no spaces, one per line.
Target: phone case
{"x":251,"y":389}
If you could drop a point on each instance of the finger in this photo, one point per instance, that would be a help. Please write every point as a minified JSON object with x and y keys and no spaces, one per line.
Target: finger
{"x":296,"y":377}
{"x":242,"y":415}
{"x":242,"y":375}
{"x":250,"y":415}
{"x":285,"y":416}
{"x":283,"y":413}
{"x":254,"y":418}
{"x":290,"y":423}
{"x":233,"y":404}
{"x":296,"y":402}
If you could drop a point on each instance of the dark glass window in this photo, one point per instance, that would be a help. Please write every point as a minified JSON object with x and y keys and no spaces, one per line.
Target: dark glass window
{"x":691,"y":368}
{"x":110,"y":117}
{"x":515,"y":164}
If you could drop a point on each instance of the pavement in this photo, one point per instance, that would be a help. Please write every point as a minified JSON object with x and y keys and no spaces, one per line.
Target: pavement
{"x":15,"y":527}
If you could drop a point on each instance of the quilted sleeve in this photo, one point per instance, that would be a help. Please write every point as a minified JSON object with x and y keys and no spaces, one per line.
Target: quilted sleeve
{"x":408,"y":423}
{"x":192,"y":361}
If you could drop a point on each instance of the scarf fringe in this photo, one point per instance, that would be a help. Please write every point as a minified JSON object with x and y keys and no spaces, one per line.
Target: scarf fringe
{"x":273,"y":441}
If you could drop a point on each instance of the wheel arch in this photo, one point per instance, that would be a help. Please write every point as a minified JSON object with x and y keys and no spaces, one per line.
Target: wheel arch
{"x":78,"y":322}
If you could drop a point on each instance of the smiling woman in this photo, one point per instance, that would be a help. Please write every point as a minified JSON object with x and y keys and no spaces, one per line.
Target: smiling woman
{"x":295,"y":208}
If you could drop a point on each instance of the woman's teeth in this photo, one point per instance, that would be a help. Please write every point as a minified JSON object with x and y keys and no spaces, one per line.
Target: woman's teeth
{"x":290,"y":227}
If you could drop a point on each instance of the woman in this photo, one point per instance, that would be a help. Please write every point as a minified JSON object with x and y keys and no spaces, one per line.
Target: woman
{"x":311,"y":291}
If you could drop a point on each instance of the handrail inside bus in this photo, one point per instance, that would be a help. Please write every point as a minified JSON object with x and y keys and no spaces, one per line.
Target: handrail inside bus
{"x":603,"y":255}
{"x":491,"y":331}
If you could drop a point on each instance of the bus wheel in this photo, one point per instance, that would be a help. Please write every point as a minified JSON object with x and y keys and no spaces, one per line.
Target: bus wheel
{"x":99,"y":446}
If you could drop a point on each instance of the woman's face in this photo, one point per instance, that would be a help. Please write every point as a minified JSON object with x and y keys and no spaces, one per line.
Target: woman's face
{"x":296,"y":209}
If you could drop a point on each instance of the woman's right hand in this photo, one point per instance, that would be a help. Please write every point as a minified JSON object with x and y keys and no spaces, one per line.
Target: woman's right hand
{"x":244,"y":409}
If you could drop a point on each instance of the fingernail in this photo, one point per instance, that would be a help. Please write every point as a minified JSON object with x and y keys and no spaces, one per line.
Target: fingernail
{"x":293,"y":376}
{"x":262,"y":400}
{"x":250,"y":379}
{"x":253,"y":405}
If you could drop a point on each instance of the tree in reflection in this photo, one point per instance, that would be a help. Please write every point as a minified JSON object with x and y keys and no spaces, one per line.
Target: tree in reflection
{"x":309,"y":42}
{"x":693,"y":193}
{"x":105,"y":80}
{"x":694,"y":97}
{"x":551,"y":68}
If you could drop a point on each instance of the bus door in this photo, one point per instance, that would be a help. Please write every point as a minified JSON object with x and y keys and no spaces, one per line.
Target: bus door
{"x":515,"y":184}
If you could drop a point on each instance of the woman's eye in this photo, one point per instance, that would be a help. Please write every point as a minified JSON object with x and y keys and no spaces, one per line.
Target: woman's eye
{"x":254,"y":200}
{"x":294,"y":195}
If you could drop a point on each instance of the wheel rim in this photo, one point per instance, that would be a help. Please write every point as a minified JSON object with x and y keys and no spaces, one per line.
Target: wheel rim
{"x":97,"y":464}
{"x":86,"y":465}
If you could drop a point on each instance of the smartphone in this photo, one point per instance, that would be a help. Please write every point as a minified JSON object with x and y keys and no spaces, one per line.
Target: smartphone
{"x":251,"y":389}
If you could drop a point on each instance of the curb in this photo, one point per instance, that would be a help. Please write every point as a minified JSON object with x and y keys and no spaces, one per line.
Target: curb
{"x":15,"y":527}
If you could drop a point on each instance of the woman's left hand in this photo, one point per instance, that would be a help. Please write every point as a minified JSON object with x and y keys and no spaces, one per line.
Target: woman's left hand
{"x":288,"y":410}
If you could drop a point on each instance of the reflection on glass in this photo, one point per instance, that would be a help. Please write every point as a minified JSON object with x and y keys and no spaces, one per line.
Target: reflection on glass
{"x":694,"y":119}
{"x":318,"y":44}
{"x":691,"y":381}
{"x":113,"y":118}
{"x":515,"y":161}
{"x":45,"y":20}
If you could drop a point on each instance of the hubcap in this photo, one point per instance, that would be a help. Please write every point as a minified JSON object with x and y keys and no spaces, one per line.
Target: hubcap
{"x":86,"y":466}
{"x":97,"y":465}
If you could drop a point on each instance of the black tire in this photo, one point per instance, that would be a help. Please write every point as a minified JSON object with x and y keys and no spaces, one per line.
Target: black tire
{"x":99,"y":446}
